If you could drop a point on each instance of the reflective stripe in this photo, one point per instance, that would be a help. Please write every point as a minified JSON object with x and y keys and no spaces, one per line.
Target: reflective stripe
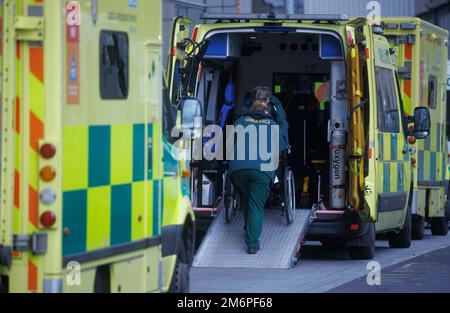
{"x":386,"y":177}
{"x":420,"y":162}
{"x":433,"y":166}
{"x":400,"y":178}
{"x":107,"y":205}
{"x":393,"y":141}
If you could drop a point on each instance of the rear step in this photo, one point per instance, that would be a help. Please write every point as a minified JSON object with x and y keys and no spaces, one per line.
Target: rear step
{"x":223,"y":245}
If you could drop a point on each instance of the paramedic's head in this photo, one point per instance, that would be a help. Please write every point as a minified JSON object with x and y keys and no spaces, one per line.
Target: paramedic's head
{"x":261,"y":98}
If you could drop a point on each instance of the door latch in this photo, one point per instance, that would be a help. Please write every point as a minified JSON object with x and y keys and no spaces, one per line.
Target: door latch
{"x":36,"y":243}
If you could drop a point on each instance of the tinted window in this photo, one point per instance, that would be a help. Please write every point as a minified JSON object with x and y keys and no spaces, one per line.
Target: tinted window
{"x":169,"y":116}
{"x":176,"y":82}
{"x":114,"y":51}
{"x":432,"y":92}
{"x":388,"y":115}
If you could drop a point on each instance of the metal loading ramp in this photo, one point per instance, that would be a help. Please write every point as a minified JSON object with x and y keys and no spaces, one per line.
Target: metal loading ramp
{"x":224,"y":246}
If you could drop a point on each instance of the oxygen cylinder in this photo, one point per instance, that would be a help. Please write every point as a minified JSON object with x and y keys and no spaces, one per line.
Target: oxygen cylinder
{"x":337,"y":175}
{"x":338,"y":135}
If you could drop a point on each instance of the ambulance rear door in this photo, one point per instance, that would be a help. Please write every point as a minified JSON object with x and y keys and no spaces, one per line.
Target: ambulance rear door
{"x":178,"y":50}
{"x":362,"y":135}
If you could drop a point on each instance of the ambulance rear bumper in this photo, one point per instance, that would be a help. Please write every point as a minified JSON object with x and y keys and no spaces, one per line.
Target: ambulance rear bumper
{"x":339,"y":225}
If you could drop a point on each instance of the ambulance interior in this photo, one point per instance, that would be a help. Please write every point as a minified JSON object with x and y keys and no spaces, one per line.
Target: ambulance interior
{"x":307,"y":74}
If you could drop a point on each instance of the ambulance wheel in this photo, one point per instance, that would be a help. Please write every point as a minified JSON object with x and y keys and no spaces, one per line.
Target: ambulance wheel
{"x":418,"y":227}
{"x":402,"y":239}
{"x":365,"y":252}
{"x":181,"y":277}
{"x":447,"y":211}
{"x":439,"y":226}
{"x":289,"y":196}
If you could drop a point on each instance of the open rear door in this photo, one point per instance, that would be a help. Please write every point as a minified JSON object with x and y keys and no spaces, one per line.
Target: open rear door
{"x":181,"y":30}
{"x":362,"y":125}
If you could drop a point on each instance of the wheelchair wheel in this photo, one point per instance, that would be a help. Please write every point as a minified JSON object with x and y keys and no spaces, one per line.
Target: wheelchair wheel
{"x":231,"y":201}
{"x":289,"y":196}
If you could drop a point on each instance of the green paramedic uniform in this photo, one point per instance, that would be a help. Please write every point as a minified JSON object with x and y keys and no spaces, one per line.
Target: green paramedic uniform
{"x":252,"y":183}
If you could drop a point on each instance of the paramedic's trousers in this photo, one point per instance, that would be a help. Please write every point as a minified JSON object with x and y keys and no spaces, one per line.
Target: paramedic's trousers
{"x":254,"y":188}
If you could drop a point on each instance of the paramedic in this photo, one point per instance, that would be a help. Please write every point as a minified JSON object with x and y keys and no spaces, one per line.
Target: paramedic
{"x":279,"y":115}
{"x":247,"y":175}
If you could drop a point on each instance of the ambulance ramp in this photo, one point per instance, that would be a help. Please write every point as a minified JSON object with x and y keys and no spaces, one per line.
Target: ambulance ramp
{"x":224,"y":246}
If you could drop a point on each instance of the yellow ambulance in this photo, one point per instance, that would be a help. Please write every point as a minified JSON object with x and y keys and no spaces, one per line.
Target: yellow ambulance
{"x":363,"y":154}
{"x":93,"y":195}
{"x":421,"y":51}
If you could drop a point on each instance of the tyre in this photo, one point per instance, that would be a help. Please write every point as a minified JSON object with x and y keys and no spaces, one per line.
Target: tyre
{"x":418,"y":227}
{"x":402,"y":239}
{"x":181,"y":276}
{"x":439,"y":226}
{"x":447,"y":211}
{"x":365,"y":252}
{"x":289,"y":196}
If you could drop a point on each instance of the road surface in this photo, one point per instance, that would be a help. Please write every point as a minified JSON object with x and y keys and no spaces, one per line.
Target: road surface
{"x":331,"y":270}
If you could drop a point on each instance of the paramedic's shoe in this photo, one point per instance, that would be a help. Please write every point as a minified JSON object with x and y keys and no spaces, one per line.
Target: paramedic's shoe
{"x":253,"y":250}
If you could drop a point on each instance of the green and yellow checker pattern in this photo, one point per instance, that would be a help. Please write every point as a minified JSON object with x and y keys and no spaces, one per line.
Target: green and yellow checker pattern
{"x":431,"y":157}
{"x":392,"y":162}
{"x":112,"y":185}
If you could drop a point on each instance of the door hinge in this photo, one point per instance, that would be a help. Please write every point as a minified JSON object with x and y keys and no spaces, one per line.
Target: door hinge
{"x":36,"y":243}
{"x":29,"y":28}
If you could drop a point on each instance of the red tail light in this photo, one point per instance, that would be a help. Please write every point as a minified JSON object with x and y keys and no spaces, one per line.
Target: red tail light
{"x":350,"y":38}
{"x":48,"y":151}
{"x":354,"y":227}
{"x":48,"y":219}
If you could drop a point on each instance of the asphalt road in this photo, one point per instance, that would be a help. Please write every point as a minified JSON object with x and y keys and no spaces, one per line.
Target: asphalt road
{"x":323,"y":269}
{"x":426,"y":273}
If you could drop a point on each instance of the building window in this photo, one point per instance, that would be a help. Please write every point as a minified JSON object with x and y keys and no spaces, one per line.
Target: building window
{"x":114,"y":65}
{"x":388,"y":115}
{"x":432,"y":91}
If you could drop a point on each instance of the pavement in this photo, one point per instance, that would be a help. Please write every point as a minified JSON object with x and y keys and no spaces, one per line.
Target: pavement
{"x":323,"y":269}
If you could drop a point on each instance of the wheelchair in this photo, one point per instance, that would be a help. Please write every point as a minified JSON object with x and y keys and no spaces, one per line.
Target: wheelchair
{"x":282,"y":195}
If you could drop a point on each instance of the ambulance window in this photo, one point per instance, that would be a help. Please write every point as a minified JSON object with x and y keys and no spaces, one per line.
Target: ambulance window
{"x":432,"y":91}
{"x":388,"y":116}
{"x":114,"y":65}
{"x":169,"y":116}
{"x":176,"y":81}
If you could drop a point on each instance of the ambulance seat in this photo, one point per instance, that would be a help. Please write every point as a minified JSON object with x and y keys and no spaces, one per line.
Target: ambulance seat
{"x":227,"y":108}
{"x":229,"y":104}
